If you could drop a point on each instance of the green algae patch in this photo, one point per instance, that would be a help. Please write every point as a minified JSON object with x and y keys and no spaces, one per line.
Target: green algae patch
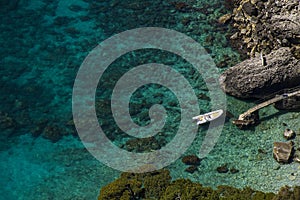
{"x":231,"y":193}
{"x":121,"y":189}
{"x":157,"y":185}
{"x":186,"y":189}
{"x":288,"y":193}
{"x":137,"y":186}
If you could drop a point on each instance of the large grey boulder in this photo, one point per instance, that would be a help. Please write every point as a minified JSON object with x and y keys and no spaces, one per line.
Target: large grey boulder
{"x":260,"y":76}
{"x":283,"y":151}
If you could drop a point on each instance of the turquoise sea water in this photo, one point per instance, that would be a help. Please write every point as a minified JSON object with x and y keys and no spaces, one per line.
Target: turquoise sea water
{"x":43,"y":44}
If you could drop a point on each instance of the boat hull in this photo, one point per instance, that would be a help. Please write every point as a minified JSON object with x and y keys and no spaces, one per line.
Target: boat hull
{"x":207,"y":117}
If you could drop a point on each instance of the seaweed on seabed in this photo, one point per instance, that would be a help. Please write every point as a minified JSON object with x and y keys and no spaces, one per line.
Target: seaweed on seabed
{"x":124,"y":188}
{"x":288,"y":193}
{"x":132,"y":186}
{"x":231,"y":193}
{"x":184,"y":189}
{"x":157,"y":185}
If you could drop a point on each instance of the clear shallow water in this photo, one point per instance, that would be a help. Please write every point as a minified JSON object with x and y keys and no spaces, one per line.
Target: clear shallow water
{"x":43,"y":46}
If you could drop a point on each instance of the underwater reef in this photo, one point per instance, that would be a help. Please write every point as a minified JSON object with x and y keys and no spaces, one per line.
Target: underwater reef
{"x":158,"y":185}
{"x":43,"y":45}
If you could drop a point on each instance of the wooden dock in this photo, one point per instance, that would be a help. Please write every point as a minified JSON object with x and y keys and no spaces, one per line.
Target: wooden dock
{"x":246,"y":118}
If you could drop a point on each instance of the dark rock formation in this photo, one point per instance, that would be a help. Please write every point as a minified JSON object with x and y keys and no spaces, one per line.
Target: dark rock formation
{"x":296,"y":157}
{"x":262,"y":26}
{"x":52,"y":133}
{"x":191,"y":160}
{"x":222,"y":169}
{"x":6,"y":121}
{"x":191,"y":169}
{"x":234,"y":170}
{"x":260,"y":76}
{"x":142,"y":144}
{"x":250,"y":9}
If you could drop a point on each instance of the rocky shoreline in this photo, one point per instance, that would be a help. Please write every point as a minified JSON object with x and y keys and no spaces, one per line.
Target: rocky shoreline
{"x":268,"y":33}
{"x":260,"y":76}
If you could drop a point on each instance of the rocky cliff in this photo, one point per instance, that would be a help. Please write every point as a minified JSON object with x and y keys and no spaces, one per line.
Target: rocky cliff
{"x":261,"y":26}
{"x":269,"y":32}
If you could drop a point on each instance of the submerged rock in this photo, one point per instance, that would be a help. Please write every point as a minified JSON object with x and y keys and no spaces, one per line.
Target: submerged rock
{"x":297,"y":156}
{"x":191,"y":169}
{"x":260,"y":76}
{"x":234,"y":170}
{"x":282,"y":151}
{"x":52,"y":133}
{"x":142,"y":144}
{"x":289,"y":134}
{"x":191,"y":160}
{"x":222,"y":169}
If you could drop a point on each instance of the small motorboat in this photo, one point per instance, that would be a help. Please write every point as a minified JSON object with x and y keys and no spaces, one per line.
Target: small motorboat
{"x":207,"y":117}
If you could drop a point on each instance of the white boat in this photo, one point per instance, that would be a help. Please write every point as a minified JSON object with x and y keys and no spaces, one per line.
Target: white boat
{"x":207,"y":117}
